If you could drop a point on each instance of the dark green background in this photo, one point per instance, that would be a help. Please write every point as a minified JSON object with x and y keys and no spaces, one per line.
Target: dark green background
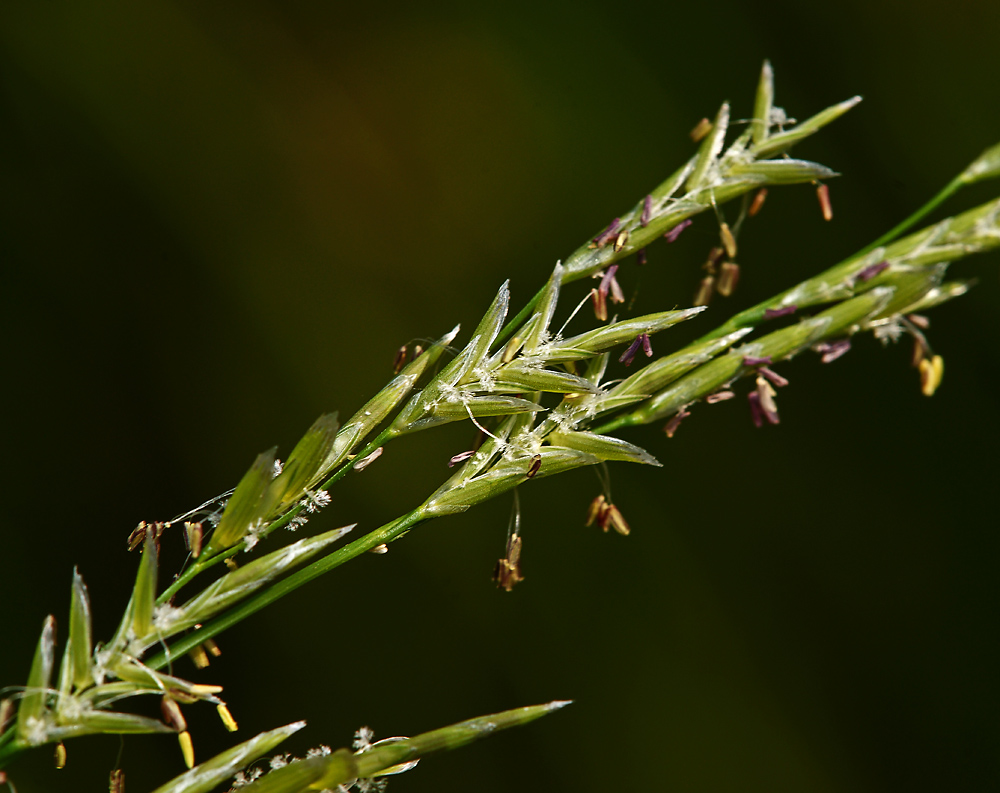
{"x":219,"y":220}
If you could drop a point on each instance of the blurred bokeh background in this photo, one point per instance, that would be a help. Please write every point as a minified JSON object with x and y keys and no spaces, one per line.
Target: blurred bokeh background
{"x":219,"y":220}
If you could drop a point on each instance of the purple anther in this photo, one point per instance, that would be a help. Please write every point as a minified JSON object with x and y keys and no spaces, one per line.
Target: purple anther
{"x":784,"y":311}
{"x":460,"y":458}
{"x":629,"y":355}
{"x":831,"y":351}
{"x":675,"y":232}
{"x":773,"y":376}
{"x":871,"y":271}
{"x":608,"y":234}
{"x":719,"y":396}
{"x":640,"y":257}
{"x":749,"y":360}
{"x":756,"y":413}
{"x":647,"y":211}
{"x":647,"y":345}
{"x":675,"y":422}
{"x":609,"y":276}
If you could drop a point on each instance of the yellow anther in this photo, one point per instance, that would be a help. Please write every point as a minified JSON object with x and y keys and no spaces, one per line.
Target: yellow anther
{"x":227,"y":717}
{"x":187,"y":748}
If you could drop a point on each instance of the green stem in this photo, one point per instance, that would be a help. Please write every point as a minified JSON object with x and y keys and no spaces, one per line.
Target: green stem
{"x":946,"y":192}
{"x":9,"y":748}
{"x":386,"y":533}
{"x":754,"y":315}
{"x":205,"y":563}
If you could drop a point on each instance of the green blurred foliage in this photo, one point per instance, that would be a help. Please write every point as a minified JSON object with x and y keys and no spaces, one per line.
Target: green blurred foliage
{"x":220,"y":220}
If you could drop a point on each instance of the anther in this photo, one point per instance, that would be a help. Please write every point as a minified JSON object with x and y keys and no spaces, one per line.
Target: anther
{"x":869,"y":272}
{"x":172,"y":714}
{"x":675,"y":232}
{"x":187,"y":748}
{"x":608,"y":234}
{"x":400,"y":360}
{"x":704,"y":293}
{"x":227,"y":718}
{"x":621,"y":239}
{"x":728,"y":278}
{"x":701,"y":129}
{"x":460,"y":458}
{"x":823,"y":195}
{"x":728,"y":240}
{"x":362,"y":464}
{"x":784,"y":311}
{"x":647,"y":211}
{"x":758,"y":201}
{"x":675,"y":422}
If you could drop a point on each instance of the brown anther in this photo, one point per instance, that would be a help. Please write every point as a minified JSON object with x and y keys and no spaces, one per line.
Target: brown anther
{"x":536,"y":464}
{"x":507,"y":571}
{"x":919,"y":320}
{"x":728,"y":240}
{"x":602,"y":518}
{"x":600,"y":304}
{"x":402,"y":355}
{"x":595,"y":509}
{"x":172,"y":715}
{"x":719,"y":396}
{"x":617,"y":521}
{"x":60,"y":755}
{"x":701,"y":129}
{"x":138,"y":536}
{"x":231,"y":564}
{"x":675,"y":422}
{"x":758,"y":201}
{"x":704,"y":293}
{"x":198,"y":656}
{"x":116,"y":782}
{"x":728,"y":278}
{"x":212,"y":647}
{"x":823,"y":194}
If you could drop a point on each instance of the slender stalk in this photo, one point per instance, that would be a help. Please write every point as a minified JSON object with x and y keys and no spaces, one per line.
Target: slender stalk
{"x":946,"y":192}
{"x":384,"y":534}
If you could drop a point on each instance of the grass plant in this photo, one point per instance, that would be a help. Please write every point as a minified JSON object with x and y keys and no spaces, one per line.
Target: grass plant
{"x":543,"y":406}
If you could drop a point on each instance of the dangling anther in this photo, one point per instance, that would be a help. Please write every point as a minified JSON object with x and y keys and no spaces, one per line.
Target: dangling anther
{"x":823,"y":195}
